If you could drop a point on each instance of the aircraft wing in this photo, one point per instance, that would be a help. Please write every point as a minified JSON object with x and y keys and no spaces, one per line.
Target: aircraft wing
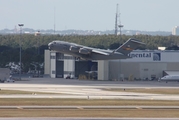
{"x":99,"y":52}
{"x":86,"y":50}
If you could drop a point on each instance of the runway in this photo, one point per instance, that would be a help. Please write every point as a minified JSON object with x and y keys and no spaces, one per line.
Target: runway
{"x":84,"y":89}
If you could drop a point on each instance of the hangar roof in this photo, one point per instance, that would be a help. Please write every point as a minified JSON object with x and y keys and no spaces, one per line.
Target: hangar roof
{"x":168,"y":72}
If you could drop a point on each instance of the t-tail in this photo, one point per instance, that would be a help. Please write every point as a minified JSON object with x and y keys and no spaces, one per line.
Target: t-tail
{"x":129,"y":46}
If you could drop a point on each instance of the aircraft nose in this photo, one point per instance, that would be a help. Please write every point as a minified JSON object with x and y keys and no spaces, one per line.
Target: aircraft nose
{"x":50,"y":45}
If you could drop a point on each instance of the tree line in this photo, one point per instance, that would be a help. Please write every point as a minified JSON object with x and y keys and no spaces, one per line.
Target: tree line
{"x":33,"y":46}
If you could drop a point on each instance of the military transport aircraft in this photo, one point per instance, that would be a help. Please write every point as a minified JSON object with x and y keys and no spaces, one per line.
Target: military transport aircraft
{"x":89,"y":53}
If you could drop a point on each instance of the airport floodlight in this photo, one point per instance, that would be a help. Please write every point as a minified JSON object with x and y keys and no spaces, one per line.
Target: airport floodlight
{"x":20,"y":25}
{"x":120,"y":26}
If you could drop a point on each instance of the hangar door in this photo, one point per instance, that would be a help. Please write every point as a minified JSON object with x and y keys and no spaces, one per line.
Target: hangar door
{"x":59,"y":69}
{"x":82,"y":66}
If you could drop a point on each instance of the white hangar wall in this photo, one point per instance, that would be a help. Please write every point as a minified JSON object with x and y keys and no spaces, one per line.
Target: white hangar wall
{"x":103,"y":70}
{"x":47,"y":66}
{"x":50,"y":63}
{"x":58,"y":65}
{"x":144,"y":64}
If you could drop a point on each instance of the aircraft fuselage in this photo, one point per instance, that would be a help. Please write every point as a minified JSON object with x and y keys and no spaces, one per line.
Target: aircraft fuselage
{"x":90,"y":53}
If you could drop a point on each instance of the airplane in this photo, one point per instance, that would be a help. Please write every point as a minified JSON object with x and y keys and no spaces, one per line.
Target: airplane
{"x":89,"y":53}
{"x":170,"y":78}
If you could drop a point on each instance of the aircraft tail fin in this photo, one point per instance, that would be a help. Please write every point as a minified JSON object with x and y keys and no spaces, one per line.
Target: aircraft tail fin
{"x":129,"y":46}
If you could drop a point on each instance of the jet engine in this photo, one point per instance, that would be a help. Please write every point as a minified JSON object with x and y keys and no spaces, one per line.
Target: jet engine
{"x":74,"y":48}
{"x":84,"y":51}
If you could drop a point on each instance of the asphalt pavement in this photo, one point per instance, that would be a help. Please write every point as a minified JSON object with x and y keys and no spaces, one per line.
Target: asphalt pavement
{"x":86,"y":89}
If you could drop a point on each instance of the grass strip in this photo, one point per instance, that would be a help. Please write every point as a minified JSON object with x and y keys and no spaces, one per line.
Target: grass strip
{"x":147,"y":90}
{"x":133,"y":113}
{"x":83,"y":102}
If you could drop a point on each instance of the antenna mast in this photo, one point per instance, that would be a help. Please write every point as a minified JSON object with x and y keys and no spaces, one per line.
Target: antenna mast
{"x":120,"y":25}
{"x":116,"y":20}
{"x":54,"y":20}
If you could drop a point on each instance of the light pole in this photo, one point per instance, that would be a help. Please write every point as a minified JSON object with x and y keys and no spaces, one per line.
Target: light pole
{"x":120,"y":70}
{"x":38,"y":53}
{"x":37,"y":34}
{"x":20,"y":25}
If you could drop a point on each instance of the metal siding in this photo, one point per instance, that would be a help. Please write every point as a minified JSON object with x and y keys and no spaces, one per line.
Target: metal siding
{"x":113,"y":70}
{"x":130,"y":70}
{"x":170,"y":57}
{"x":173,"y":66}
{"x":47,"y":62}
{"x":53,"y":65}
{"x":103,"y":70}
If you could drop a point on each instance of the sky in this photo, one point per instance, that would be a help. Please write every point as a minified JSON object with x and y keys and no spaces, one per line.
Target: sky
{"x":144,"y":15}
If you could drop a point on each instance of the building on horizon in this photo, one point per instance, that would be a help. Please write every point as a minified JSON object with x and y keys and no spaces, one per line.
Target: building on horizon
{"x":175,"y":30}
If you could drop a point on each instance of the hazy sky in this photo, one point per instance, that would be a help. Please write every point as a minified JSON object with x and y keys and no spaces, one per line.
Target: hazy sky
{"x":148,"y":15}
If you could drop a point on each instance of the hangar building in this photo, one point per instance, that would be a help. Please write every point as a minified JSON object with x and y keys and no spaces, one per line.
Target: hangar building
{"x":143,"y":64}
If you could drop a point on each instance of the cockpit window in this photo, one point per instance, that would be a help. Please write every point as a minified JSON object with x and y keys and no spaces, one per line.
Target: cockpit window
{"x":54,"y":42}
